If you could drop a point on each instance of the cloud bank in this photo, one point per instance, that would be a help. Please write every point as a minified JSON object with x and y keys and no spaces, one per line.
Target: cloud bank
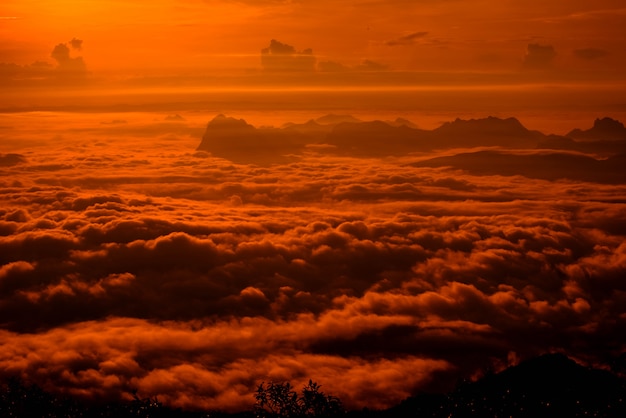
{"x":280,"y":57}
{"x":68,"y":69}
{"x":145,"y":266}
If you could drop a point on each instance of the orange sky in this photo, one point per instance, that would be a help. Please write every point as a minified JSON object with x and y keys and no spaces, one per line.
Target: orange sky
{"x":139,"y":37}
{"x":133,"y":259}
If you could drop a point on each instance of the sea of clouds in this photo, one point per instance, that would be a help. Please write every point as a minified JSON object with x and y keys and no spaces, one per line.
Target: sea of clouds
{"x":130,"y":262}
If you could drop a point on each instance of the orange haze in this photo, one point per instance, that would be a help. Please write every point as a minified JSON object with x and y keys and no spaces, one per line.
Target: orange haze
{"x":165,"y":231}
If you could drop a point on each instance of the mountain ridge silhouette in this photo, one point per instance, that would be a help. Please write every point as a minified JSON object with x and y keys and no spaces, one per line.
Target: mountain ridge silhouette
{"x":237,"y":140}
{"x":603,"y":129}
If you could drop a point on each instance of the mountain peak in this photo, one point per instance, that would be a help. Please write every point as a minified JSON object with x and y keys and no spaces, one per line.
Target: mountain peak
{"x":403,"y":122}
{"x":334,"y":119}
{"x":223,"y":121}
{"x":603,"y":129}
{"x":224,"y":132}
{"x":490,"y":123}
{"x":607,"y":124}
{"x":492,"y":131}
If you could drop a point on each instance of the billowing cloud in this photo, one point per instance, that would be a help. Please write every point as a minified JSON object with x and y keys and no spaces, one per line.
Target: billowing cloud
{"x":61,"y":53}
{"x":280,"y":57}
{"x":67,"y":65}
{"x":67,"y":68}
{"x":136,"y":263}
{"x":76,"y":43}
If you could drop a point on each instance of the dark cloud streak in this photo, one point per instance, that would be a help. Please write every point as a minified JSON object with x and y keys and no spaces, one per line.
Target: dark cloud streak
{"x":539,"y":57}
{"x":409,"y":39}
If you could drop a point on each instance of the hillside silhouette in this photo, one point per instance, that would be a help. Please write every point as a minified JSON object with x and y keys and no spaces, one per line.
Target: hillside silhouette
{"x":551,"y":385}
{"x":607,"y":137}
{"x":238,"y":141}
{"x":490,"y":131}
{"x":602,"y":129}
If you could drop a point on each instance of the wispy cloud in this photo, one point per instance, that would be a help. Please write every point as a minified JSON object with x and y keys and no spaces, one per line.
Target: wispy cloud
{"x":586,"y":15}
{"x":409,"y":39}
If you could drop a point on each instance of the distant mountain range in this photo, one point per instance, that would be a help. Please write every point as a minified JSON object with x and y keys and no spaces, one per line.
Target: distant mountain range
{"x":606,"y":137}
{"x":597,"y":154}
{"x":605,"y":129}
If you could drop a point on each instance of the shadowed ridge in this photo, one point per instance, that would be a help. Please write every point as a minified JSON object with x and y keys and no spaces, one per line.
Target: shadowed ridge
{"x":334,"y":119}
{"x":238,"y":141}
{"x":401,"y":136}
{"x":607,"y":137}
{"x":315,"y":131}
{"x":231,"y":124}
{"x":222,"y":132}
{"x":549,"y":373}
{"x":490,"y":124}
{"x":603,"y":129}
{"x":235,"y":139}
{"x":376,"y":138}
{"x":308,"y":124}
{"x":551,"y":385}
{"x":230,"y":138}
{"x":490,"y":131}
{"x":403,"y":122}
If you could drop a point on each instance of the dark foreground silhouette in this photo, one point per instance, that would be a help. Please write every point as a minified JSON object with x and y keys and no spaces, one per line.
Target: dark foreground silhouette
{"x":548,"y":386}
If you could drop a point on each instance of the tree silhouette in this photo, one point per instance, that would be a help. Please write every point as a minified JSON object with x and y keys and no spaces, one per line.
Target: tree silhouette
{"x":280,"y":400}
